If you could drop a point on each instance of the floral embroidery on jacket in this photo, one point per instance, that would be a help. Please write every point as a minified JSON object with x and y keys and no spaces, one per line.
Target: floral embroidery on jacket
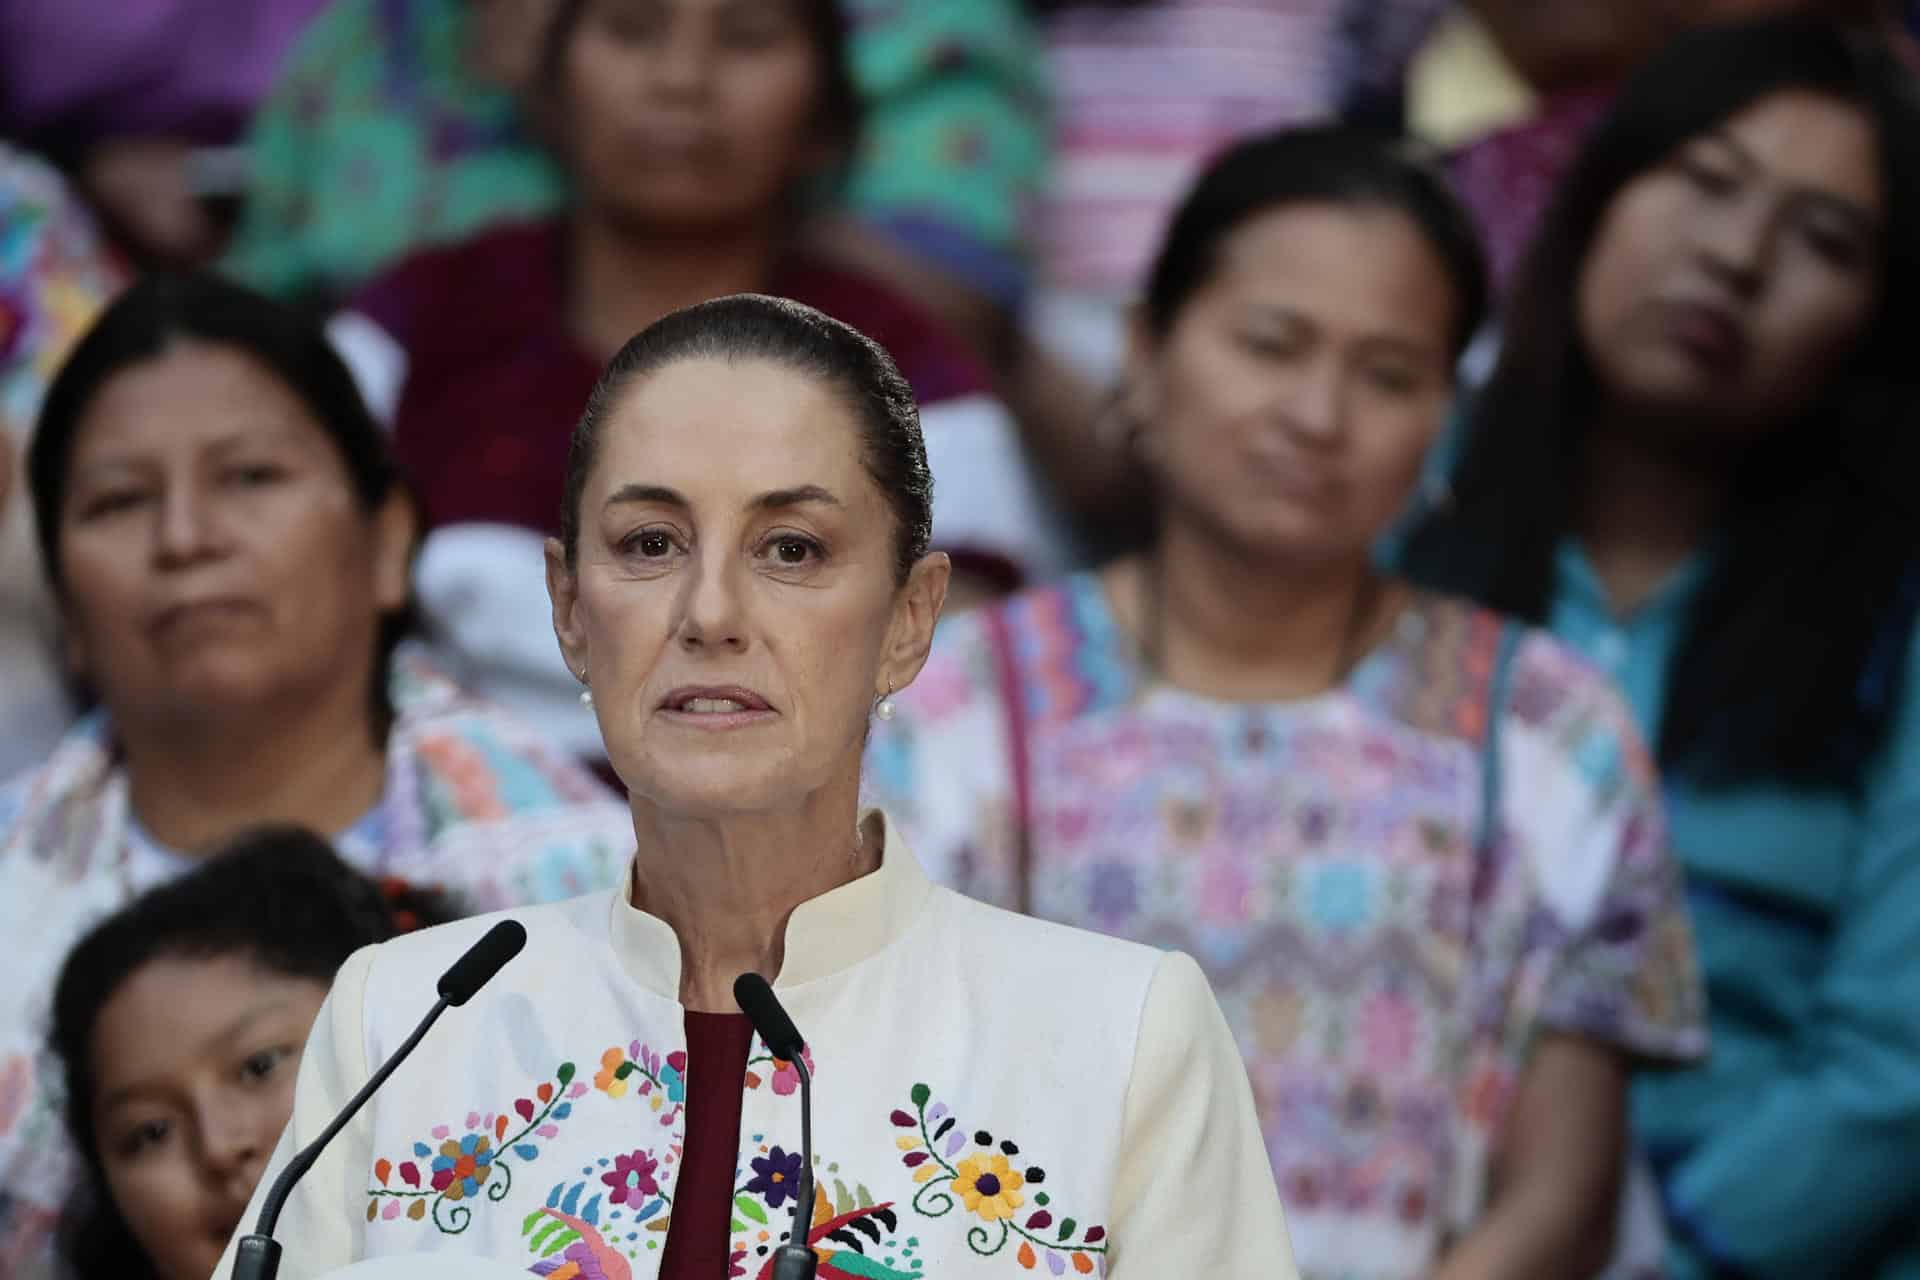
{"x":987,"y":1184}
{"x":628,"y":1208}
{"x":449,"y":1170}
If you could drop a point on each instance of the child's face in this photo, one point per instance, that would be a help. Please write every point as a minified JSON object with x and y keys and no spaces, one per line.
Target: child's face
{"x":194,"y":1061}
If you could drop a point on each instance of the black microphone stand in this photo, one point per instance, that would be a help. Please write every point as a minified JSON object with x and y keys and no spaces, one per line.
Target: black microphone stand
{"x":257,"y":1257}
{"x":795,"y":1259}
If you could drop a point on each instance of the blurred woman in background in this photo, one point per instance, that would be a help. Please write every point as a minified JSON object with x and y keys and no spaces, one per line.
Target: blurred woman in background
{"x":699,"y":135}
{"x":1419,"y":850}
{"x":229,"y":549}
{"x":1695,"y":463}
{"x":178,"y":1022}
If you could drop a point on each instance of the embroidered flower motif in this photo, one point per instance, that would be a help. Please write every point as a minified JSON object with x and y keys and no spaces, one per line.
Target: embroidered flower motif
{"x":632,"y":1179}
{"x":609,"y":1079}
{"x":786,"y":1077}
{"x":737,"y":1263}
{"x":775,"y":1177}
{"x":673,"y":1077}
{"x":989,"y":1186}
{"x":462,"y":1165}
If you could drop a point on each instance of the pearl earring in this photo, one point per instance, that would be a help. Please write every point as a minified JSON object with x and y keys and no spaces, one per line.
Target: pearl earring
{"x":586,"y":695}
{"x":883,"y":709}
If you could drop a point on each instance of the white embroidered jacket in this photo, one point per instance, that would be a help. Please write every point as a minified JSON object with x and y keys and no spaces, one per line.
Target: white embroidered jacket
{"x":994,"y":1096}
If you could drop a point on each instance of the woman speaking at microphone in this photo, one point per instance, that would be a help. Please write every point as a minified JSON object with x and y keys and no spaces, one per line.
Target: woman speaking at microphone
{"x":742,"y":581}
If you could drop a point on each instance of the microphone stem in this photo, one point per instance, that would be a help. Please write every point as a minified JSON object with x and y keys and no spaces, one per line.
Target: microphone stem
{"x":803,"y":1207}
{"x":301,"y":1162}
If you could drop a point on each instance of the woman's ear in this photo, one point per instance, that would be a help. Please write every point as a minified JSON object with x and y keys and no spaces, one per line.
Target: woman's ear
{"x":916,"y":612}
{"x":396,"y":536}
{"x":563,"y":589}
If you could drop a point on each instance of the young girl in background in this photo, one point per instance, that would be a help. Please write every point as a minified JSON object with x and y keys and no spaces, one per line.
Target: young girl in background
{"x":179,"y":1021}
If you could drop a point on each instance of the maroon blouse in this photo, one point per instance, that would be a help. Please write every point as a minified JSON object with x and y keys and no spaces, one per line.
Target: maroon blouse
{"x":700,"y":1235}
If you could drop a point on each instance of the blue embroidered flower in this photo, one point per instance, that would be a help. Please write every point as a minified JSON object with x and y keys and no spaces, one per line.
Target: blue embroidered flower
{"x":673,"y":1077}
{"x":775,"y":1177}
{"x":462,"y":1166}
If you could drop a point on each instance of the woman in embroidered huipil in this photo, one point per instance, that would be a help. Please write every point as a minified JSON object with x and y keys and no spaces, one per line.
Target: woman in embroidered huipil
{"x":1695,"y":463}
{"x":742,"y":581}
{"x":1419,"y":851}
{"x":220,"y":523}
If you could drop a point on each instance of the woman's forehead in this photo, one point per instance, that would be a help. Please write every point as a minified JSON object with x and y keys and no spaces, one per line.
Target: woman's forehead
{"x":727,"y":427}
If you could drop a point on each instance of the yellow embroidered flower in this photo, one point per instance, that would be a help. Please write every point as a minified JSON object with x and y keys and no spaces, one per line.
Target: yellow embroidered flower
{"x":608,"y":1078}
{"x":989,"y":1186}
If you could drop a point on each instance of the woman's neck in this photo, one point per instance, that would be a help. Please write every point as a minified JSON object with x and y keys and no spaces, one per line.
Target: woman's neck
{"x":727,"y":888}
{"x":1640,"y":510}
{"x":1232,"y":626}
{"x":621,"y":279}
{"x":317,"y":765}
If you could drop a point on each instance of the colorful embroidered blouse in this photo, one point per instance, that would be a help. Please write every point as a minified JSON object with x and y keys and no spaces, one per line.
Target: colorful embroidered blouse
{"x":56,"y":273}
{"x":1385,"y":955}
{"x":993,"y":1097}
{"x":474,"y":802}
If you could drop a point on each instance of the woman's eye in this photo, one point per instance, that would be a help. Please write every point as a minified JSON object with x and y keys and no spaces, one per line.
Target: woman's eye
{"x":111,"y":503}
{"x":259,"y":1066}
{"x":253,"y":475}
{"x":650,"y":543}
{"x":791,"y":549}
{"x":144,"y":1137}
{"x":1393,"y":380}
{"x":1709,"y":177}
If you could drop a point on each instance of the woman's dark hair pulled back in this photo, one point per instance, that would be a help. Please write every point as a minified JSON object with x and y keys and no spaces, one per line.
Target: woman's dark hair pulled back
{"x":1318,"y":164}
{"x":1790,"y":658}
{"x":749,"y":326}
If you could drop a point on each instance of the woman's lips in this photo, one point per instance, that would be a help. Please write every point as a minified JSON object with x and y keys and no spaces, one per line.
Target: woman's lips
{"x":716,"y":708}
{"x":1710,"y":334}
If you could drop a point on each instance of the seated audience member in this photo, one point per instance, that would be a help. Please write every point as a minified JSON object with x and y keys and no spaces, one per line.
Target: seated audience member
{"x":1418,"y":848}
{"x":140,"y":108}
{"x":56,"y":272}
{"x":1146,"y":92}
{"x":693,"y":133}
{"x":220,"y":520}
{"x":178,"y":1023}
{"x":399,"y":126}
{"x":1694,"y":463}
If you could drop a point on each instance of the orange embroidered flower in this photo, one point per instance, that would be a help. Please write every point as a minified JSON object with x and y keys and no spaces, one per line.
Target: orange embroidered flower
{"x":989,"y":1186}
{"x":608,"y":1079}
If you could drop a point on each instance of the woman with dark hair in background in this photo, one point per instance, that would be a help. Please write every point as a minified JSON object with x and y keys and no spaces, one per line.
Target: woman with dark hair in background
{"x":228,"y":546}
{"x":1695,"y":463}
{"x":178,"y":1023}
{"x":699,"y":136}
{"x":1417,"y":849}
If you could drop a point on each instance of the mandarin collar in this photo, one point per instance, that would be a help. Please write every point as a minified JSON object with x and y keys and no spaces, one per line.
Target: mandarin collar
{"x":825,"y":935}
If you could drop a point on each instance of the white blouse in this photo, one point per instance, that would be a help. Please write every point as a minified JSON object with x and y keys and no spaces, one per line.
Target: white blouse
{"x":994,"y":1096}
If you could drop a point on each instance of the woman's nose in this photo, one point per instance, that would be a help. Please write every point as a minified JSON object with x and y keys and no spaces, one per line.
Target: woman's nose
{"x":712,"y":615}
{"x":187,"y":528}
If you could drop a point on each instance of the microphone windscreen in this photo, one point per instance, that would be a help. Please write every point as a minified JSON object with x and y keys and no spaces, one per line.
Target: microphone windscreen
{"x":483,"y":959}
{"x":764,"y":1011}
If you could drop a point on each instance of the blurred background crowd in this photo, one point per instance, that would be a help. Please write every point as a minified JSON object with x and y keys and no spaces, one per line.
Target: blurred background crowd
{"x":1430,"y":484}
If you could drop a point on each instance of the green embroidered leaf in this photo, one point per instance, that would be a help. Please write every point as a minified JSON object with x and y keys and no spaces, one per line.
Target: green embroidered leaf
{"x":863,"y":1197}
{"x":920,"y":1095}
{"x":1066,"y":1227}
{"x":624,"y":1070}
{"x":751,"y":1208}
{"x":565,"y":1073}
{"x":849,"y":1263}
{"x":532,"y":1218}
{"x":540,"y":1236}
{"x":842,"y":1200}
{"x":738,"y":1226}
{"x":560,"y":1242}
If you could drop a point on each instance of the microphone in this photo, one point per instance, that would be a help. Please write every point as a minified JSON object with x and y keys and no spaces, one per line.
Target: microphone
{"x":257,"y":1256}
{"x":793,"y":1260}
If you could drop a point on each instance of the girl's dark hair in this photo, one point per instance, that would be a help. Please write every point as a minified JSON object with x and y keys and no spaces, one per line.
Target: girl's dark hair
{"x":1320,"y":164}
{"x":277,"y":896}
{"x":168,"y":308}
{"x":840,"y":103}
{"x":750,"y":326}
{"x":1791,"y":656}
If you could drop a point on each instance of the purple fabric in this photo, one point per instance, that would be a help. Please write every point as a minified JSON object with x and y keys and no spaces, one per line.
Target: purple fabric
{"x":82,"y":70}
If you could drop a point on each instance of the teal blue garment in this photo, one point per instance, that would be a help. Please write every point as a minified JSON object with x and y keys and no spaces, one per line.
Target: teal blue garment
{"x":1795,"y":1150}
